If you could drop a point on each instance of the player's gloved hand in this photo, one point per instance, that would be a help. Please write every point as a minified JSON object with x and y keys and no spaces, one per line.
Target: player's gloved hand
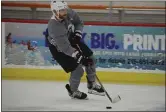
{"x":76,"y":37}
{"x":87,"y":61}
{"x":78,"y":56}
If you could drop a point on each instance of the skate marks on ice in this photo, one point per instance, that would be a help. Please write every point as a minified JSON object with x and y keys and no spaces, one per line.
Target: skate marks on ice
{"x":31,"y":95}
{"x":37,"y":95}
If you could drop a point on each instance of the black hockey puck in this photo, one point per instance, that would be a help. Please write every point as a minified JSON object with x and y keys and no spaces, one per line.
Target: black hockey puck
{"x":108,"y":107}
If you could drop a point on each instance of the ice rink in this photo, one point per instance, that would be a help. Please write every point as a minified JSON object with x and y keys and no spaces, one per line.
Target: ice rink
{"x":52,"y":96}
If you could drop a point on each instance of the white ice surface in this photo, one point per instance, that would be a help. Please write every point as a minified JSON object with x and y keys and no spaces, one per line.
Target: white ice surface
{"x":38,"y":95}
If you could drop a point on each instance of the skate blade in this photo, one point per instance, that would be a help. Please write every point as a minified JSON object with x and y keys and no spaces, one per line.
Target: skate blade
{"x":79,"y":99}
{"x":96,"y":93}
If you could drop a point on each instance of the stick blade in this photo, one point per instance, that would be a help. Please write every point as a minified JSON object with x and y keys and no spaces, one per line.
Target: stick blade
{"x":116,"y":99}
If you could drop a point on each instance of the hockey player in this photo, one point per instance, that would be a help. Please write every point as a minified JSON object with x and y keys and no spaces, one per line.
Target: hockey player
{"x":64,"y":38}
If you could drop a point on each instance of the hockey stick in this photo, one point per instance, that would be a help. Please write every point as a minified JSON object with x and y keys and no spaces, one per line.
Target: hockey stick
{"x":104,"y":89}
{"x":116,"y":99}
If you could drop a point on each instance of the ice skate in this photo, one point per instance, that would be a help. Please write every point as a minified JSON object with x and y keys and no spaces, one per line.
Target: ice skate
{"x":76,"y":94}
{"x":95,"y":89}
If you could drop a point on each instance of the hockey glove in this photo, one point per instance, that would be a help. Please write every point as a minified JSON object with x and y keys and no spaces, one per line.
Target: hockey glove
{"x":87,"y":61}
{"x":78,"y":56}
{"x":76,"y":37}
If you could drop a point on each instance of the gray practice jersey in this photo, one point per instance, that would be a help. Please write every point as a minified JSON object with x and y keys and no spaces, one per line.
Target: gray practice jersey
{"x":58,"y":31}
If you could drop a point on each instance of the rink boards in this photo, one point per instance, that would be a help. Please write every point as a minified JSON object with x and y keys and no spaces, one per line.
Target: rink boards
{"x":141,"y":66}
{"x":105,"y":76}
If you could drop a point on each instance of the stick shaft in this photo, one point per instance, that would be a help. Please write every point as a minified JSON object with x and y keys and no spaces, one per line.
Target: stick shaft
{"x":104,"y":89}
{"x":98,"y":80}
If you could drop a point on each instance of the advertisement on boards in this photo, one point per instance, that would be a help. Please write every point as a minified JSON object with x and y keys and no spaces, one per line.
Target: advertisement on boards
{"x":123,"y":47}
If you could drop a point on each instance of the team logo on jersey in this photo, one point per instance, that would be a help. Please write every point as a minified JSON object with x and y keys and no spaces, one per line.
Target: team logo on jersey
{"x":71,"y":28}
